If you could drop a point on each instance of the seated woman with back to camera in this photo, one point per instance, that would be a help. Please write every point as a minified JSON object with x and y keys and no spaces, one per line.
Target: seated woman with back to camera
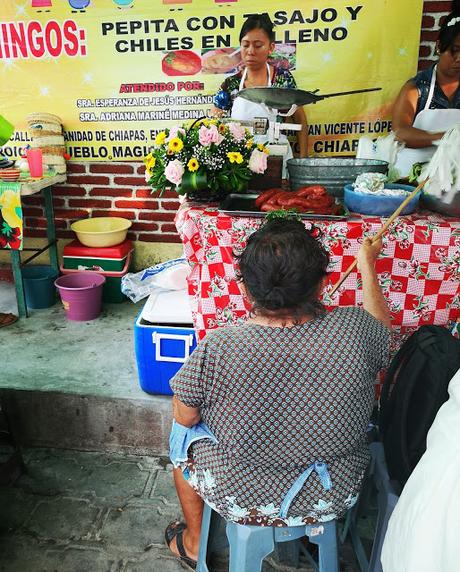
{"x":287,"y":394}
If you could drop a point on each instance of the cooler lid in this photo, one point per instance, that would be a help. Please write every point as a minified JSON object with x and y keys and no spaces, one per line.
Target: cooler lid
{"x":117,"y":252}
{"x":168,"y":306}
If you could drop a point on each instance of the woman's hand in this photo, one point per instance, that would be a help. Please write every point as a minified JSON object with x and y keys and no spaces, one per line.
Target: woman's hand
{"x":368,"y":252}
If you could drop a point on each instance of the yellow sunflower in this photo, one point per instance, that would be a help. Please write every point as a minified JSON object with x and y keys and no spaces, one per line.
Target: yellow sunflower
{"x":249,"y":143}
{"x":235,"y":157}
{"x":262,"y":148}
{"x":193,"y":165}
{"x":149,"y":163}
{"x":160,"y":138}
{"x":175,"y":145}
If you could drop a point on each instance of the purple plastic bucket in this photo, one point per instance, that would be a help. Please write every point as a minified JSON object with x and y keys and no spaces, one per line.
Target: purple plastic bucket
{"x":81,"y":295}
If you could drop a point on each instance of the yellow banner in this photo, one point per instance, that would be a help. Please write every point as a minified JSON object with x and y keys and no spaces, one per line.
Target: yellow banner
{"x":119,"y":71}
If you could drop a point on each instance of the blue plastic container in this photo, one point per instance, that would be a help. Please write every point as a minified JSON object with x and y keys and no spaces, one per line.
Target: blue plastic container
{"x":39,"y":286}
{"x":161,"y":349}
{"x":379,"y":205}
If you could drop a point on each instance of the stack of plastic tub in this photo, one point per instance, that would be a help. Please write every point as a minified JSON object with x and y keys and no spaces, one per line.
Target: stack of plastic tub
{"x":112,"y":262}
{"x":164,"y":337}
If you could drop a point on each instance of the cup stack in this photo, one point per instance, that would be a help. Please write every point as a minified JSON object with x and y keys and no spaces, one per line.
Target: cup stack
{"x":45,"y":130}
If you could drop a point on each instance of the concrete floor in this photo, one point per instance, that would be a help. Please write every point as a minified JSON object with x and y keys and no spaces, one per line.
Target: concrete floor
{"x":100,"y":498}
{"x":74,"y":384}
{"x":47,"y":352}
{"x":97,"y":512}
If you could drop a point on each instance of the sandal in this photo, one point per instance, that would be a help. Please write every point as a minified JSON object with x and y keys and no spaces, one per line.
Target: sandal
{"x":176,"y":530}
{"x":7,"y":319}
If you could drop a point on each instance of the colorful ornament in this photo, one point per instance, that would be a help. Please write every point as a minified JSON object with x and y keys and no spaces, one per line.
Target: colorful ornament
{"x":79,"y":4}
{"x":222,"y":100}
{"x":42,"y":4}
{"x":124,"y":3}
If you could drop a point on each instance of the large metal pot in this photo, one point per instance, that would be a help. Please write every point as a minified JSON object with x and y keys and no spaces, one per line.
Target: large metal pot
{"x":333,"y":173}
{"x":440,"y":205}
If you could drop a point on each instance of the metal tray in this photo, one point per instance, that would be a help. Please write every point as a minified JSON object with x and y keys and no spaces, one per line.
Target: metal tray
{"x":243,"y":205}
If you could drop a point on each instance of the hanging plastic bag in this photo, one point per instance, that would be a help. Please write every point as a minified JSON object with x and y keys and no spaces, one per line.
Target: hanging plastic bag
{"x":169,"y":275}
{"x":382,"y":149}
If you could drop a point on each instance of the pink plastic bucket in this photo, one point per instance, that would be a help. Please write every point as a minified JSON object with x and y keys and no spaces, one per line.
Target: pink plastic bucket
{"x":81,"y":295}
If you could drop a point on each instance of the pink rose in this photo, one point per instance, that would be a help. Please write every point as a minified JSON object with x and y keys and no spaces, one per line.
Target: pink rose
{"x":206,"y":135}
{"x":258,"y":161}
{"x":174,"y":171}
{"x":237,"y":130}
{"x":174,"y":132}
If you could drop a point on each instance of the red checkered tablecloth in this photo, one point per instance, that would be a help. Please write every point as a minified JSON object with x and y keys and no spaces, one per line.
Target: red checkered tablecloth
{"x":419,"y":268}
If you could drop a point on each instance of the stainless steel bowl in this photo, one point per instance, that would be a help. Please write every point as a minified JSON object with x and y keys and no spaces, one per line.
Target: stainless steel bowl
{"x":439,"y":205}
{"x":333,"y":173}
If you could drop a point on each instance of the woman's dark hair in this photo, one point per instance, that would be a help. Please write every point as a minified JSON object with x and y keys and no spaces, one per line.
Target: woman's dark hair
{"x":448,"y":33}
{"x":282,"y":267}
{"x":258,"y":22}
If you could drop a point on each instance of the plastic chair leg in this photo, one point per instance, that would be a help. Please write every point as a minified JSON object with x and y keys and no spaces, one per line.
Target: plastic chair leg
{"x":204,"y":537}
{"x":249,"y":545}
{"x":327,"y":544}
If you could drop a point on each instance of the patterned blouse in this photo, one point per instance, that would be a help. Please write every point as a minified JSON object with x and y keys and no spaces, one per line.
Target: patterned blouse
{"x":231,"y":86}
{"x":278,"y":400}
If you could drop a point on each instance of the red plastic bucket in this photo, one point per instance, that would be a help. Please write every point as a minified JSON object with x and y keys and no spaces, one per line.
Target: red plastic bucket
{"x":81,"y":295}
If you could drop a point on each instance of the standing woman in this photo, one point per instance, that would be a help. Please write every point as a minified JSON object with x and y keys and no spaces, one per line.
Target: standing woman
{"x":257,"y":41}
{"x":429,"y":103}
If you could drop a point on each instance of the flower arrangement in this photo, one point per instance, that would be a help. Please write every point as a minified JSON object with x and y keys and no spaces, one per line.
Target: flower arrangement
{"x":210,"y":156}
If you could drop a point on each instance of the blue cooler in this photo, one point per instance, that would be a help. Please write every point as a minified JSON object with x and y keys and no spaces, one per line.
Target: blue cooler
{"x":164,"y":337}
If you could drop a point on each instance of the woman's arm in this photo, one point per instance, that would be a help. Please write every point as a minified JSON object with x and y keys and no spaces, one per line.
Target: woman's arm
{"x":302,"y":135}
{"x":403,"y":117}
{"x":373,"y":299}
{"x":185,"y":415}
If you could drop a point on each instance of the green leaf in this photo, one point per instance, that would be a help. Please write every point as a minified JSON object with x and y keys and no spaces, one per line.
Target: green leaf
{"x":283,"y":213}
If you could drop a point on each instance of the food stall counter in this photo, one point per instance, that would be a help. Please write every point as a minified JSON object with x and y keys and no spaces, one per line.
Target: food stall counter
{"x":419,"y":268}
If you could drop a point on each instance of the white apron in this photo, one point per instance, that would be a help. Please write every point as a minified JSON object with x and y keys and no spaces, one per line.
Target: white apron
{"x":432,"y":120}
{"x":244,"y":110}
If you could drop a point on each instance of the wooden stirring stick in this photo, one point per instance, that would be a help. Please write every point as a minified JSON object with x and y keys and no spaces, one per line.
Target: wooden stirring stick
{"x":378,"y":235}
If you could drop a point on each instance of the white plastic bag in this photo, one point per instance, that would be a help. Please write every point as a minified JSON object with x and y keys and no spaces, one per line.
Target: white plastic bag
{"x":382,"y":148}
{"x":169,"y":275}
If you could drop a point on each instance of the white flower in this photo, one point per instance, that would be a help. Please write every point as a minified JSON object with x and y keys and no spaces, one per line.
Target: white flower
{"x":350,"y":500}
{"x":322,"y":506}
{"x":209,"y":480}
{"x":237,"y":512}
{"x":269,"y":510}
{"x":193,"y":480}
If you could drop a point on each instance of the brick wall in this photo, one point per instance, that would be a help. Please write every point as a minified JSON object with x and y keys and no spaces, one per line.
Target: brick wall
{"x":433,"y":13}
{"x":106,"y":189}
{"x":119,"y":189}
